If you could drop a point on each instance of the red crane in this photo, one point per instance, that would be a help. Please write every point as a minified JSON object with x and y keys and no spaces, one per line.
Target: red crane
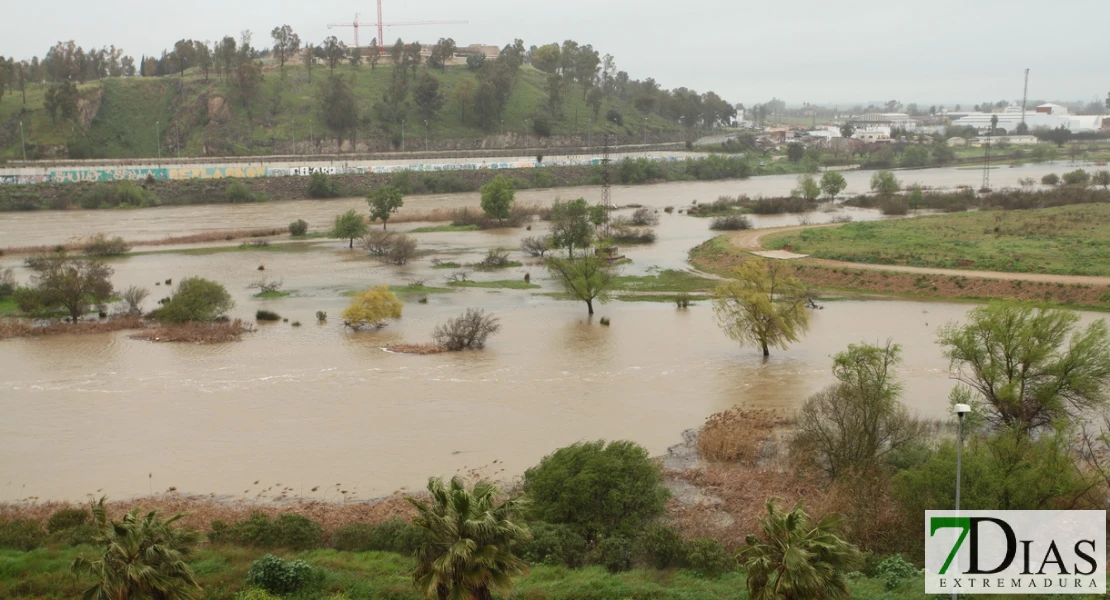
{"x":380,"y":25}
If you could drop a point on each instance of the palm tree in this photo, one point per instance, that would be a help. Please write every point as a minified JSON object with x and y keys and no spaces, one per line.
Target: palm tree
{"x":468,"y":551}
{"x":797,"y":559}
{"x":144,"y":557}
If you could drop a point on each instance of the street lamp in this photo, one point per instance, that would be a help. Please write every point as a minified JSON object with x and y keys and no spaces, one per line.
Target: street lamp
{"x":961,"y":410}
{"x":22,"y":141}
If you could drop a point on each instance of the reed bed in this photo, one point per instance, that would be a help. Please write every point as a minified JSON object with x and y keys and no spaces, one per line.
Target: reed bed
{"x":196,"y":333}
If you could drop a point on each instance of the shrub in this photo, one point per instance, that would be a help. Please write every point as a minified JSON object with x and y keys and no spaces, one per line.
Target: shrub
{"x":322,"y":186}
{"x":378,"y":242}
{"x":1050,"y":179}
{"x":237,"y":191}
{"x":708,"y":558}
{"x":102,"y":245}
{"x":554,"y":545}
{"x":613,"y":553}
{"x":402,"y":248}
{"x":21,"y":534}
{"x":495,"y":259}
{"x":615,"y":116}
{"x":542,"y":178}
{"x":122,"y":194}
{"x":535,"y":245}
{"x":894,"y":569}
{"x":894,"y":205}
{"x":468,"y":331}
{"x":541,"y":126}
{"x":633,"y":235}
{"x":1078,"y":178}
{"x":133,"y":297}
{"x":196,"y":299}
{"x":621,"y":472}
{"x":644,"y":217}
{"x":298,"y":228}
{"x":266,"y":315}
{"x":278,"y":576}
{"x":67,"y":518}
{"x":7,"y":283}
{"x":683,"y":300}
{"x":321,"y":315}
{"x":371,"y":309}
{"x":731,"y":223}
{"x":287,"y":531}
{"x":394,"y":535}
{"x":661,"y":546}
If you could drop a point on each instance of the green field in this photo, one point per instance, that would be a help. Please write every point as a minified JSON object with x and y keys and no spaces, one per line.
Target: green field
{"x":669,"y":280}
{"x":1068,"y":240}
{"x":221,"y":572}
{"x":139,"y":115}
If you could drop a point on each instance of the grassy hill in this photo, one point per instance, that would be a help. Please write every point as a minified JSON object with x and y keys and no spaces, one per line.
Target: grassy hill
{"x":194,"y":117}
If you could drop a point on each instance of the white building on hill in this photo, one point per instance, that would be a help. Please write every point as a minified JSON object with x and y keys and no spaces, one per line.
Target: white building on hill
{"x":1049,"y":116}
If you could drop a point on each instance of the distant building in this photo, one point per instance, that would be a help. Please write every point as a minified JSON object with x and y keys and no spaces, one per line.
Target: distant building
{"x":995,"y":140}
{"x":489,"y":52}
{"x":1047,"y":116}
{"x":888,"y":120}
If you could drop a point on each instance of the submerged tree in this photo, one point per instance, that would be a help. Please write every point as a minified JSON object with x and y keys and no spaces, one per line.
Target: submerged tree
{"x":74,"y":285}
{"x":348,"y":226}
{"x":141,"y":557}
{"x":372,"y":308}
{"x":497,"y":198}
{"x":586,"y":278}
{"x":1028,"y":366}
{"x":385,"y":201}
{"x":797,"y":559}
{"x":471,"y":543}
{"x":764,"y":305}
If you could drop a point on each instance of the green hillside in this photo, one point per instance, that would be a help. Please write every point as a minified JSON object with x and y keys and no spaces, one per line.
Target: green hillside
{"x":186,"y":115}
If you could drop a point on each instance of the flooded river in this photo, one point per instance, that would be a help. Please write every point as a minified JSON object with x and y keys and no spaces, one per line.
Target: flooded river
{"x":317,"y":405}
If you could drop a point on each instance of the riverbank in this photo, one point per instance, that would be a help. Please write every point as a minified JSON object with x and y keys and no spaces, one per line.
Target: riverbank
{"x":720,"y":255}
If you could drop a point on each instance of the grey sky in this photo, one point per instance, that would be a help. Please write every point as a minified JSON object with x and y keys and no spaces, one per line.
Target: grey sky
{"x":944,"y":51}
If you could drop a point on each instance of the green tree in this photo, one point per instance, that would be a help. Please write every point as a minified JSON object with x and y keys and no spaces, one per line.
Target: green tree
{"x":546,"y":58}
{"x":72,"y":284}
{"x":471,"y":541}
{"x":554,"y":94}
{"x":797,"y":559}
{"x":196,"y":299}
{"x":915,"y":156}
{"x":594,"y":100}
{"x":334,"y":51}
{"x":286,"y":43}
{"x":1026,"y":366}
{"x":412,"y":56}
{"x":203,"y":55}
{"x":1058,"y":136}
{"x":1101,"y":178}
{"x":807,"y":188}
{"x":464,"y":96}
{"x":847,"y":130}
{"x":832,"y":183}
{"x":943,"y":153}
{"x":441,"y":53}
{"x":140,"y":557}
{"x":61,"y":99}
{"x":248,"y":82}
{"x":384,"y":201}
{"x":497,"y":198}
{"x":885,"y":183}
{"x":427,"y":96}
{"x":309,"y":59}
{"x":570,"y":225}
{"x":1077,"y":178}
{"x":348,"y":226}
{"x":764,"y":305}
{"x":600,"y":489}
{"x":795,"y":152}
{"x":851,"y":425}
{"x":338,"y":109}
{"x":586,"y":278}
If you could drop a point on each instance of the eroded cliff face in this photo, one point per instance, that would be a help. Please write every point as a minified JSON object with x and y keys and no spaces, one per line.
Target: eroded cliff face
{"x":88,"y":105}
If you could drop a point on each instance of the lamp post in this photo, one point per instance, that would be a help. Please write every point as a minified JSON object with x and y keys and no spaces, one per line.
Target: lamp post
{"x":22,"y":142}
{"x":425,"y":135}
{"x":293,"y":125}
{"x":158,"y":137}
{"x":961,"y":410}
{"x":402,"y":135}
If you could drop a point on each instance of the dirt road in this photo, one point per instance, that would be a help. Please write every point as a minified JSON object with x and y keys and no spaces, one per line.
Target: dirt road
{"x":750,"y":240}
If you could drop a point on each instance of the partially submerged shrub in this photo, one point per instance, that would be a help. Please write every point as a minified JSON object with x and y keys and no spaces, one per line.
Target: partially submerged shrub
{"x":278,"y":576}
{"x":468,"y":331}
{"x":731,"y":223}
{"x":196,"y":299}
{"x":266,"y":315}
{"x":378,"y":242}
{"x":298,"y":228}
{"x":133,"y":297}
{"x":495,"y":259}
{"x":633,"y":235}
{"x":372,"y":308}
{"x":644,"y":217}
{"x":102,"y":245}
{"x":535,"y":245}
{"x":894,"y":205}
{"x":402,"y":248}
{"x":321,"y":315}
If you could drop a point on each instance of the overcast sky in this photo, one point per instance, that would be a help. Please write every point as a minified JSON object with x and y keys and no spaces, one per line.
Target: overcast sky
{"x":846,"y":52}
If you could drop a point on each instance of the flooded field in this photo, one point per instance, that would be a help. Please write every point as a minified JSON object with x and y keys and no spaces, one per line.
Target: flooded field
{"x":318,"y":405}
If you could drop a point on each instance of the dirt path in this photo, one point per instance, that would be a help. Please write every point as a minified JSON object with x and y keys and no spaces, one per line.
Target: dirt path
{"x":749,"y":240}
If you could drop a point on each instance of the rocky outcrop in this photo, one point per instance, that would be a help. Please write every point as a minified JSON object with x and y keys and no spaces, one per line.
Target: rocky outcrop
{"x":87,"y":107}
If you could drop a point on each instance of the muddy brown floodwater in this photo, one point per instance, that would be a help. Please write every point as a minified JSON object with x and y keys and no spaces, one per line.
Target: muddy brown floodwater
{"x":317,"y":405}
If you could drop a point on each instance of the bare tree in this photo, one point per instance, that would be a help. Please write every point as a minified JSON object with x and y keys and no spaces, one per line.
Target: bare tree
{"x":133,"y":297}
{"x":535,"y":245}
{"x":265,"y":285}
{"x":401,"y":250}
{"x":377,"y":242}
{"x":468,"y":331}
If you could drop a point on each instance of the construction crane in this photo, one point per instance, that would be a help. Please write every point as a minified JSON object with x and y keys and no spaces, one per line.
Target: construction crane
{"x":380,"y":25}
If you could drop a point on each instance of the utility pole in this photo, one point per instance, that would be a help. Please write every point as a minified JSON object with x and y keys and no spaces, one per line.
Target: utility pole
{"x":1024,"y":97}
{"x":22,"y":142}
{"x":158,"y":137}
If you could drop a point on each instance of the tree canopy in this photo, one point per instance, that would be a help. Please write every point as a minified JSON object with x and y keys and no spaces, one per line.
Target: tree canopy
{"x":384,"y":201}
{"x":348,"y":226}
{"x":497,"y":198}
{"x":372,"y":308}
{"x":763,"y":305}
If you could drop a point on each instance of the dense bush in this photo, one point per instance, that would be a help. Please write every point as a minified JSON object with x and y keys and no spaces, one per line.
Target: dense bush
{"x":196,"y":299}
{"x":322,"y":186}
{"x":124,"y":194}
{"x":19,"y":199}
{"x":541,"y":126}
{"x":237,"y":191}
{"x":279,"y":576}
{"x":894,"y":205}
{"x":535,"y":245}
{"x":708,"y":558}
{"x":21,"y":534}
{"x":661,"y":547}
{"x":287,"y":531}
{"x":7,"y":283}
{"x":1078,"y":178}
{"x":401,"y":249}
{"x":554,"y":545}
{"x":467,"y":331}
{"x":614,"y":553}
{"x":67,"y":518}
{"x":542,"y":178}
{"x":102,"y":245}
{"x":599,"y":489}
{"x":266,"y":315}
{"x":394,"y":535}
{"x":633,"y":235}
{"x":644,"y":217}
{"x":298,"y":228}
{"x":614,"y":116}
{"x":894,"y":569}
{"x":730,"y":223}
{"x":1050,"y":179}
{"x":778,"y":206}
